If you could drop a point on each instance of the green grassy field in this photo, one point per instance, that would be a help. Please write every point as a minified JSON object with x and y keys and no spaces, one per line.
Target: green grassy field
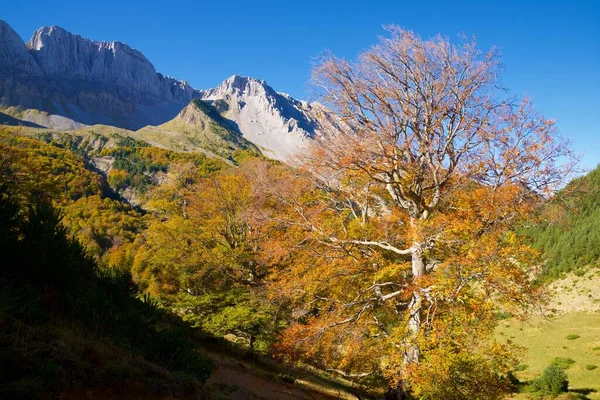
{"x":546,"y":339}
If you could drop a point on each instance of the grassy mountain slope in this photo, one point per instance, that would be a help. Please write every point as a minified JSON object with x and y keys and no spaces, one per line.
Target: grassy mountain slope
{"x":198,"y":127}
{"x":568,"y":235}
{"x":548,"y":338}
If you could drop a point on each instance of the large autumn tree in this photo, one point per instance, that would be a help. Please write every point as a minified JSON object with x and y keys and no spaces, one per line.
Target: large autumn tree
{"x":204,"y":255}
{"x":404,"y":247}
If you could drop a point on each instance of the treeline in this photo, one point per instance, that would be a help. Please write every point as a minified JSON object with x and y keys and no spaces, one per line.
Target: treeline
{"x":568,"y":234}
{"x":66,"y":323}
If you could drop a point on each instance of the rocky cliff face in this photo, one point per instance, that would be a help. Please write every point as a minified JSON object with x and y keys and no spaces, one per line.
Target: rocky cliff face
{"x":67,"y":57}
{"x":87,"y":81}
{"x":280,"y":125}
{"x":19,"y":73}
{"x":15,"y":60}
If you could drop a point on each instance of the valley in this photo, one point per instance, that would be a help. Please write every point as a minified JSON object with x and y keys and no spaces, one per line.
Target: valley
{"x":413,"y":234}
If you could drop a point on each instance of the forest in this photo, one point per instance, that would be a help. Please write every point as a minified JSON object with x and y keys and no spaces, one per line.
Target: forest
{"x":387,"y":255}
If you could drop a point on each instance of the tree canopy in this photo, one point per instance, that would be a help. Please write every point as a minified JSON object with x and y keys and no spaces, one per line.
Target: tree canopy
{"x":410,"y":225}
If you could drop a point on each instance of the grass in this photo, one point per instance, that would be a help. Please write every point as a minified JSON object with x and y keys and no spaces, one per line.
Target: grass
{"x":546,"y":340}
{"x":562,"y":362}
{"x":263,"y":376}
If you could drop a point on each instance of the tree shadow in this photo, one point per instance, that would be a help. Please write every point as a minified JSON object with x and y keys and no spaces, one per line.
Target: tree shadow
{"x":581,"y":393}
{"x":584,"y":391}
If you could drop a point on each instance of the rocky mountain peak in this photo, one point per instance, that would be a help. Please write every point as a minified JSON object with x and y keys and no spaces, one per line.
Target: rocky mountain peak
{"x":59,"y":52}
{"x":85,"y":80}
{"x":280,"y":125}
{"x":240,"y":86}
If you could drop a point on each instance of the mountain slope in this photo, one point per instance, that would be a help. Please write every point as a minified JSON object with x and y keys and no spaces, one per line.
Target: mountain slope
{"x":198,"y":127}
{"x":569,"y":235}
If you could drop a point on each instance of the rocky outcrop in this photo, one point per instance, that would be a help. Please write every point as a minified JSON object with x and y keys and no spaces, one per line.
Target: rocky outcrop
{"x":15,"y":60}
{"x":19,"y":73}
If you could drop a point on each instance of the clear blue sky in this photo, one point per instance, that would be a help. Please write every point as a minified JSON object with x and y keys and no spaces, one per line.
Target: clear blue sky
{"x":551,"y":49}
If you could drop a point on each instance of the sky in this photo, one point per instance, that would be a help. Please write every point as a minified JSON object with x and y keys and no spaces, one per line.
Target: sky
{"x":550,"y":49}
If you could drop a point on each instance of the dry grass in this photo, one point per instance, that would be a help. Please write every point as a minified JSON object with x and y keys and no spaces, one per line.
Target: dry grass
{"x":576,"y":293}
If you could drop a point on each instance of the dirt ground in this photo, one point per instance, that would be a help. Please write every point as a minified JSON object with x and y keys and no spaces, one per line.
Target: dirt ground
{"x":239,"y":380}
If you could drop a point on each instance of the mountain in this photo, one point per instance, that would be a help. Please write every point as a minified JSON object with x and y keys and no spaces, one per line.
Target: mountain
{"x":60,"y":80}
{"x":275,"y":122}
{"x":87,"y":81}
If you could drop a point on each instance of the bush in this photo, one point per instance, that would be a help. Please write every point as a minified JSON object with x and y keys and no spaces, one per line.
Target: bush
{"x":591,"y":367}
{"x":502,"y":315}
{"x":562,"y":362}
{"x":521,"y":367}
{"x":552,"y":381}
{"x":573,"y":337}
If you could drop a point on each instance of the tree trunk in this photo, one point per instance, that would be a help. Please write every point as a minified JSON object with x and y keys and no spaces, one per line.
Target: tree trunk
{"x":414,"y":325}
{"x":251,"y":345}
{"x":418,"y":264}
{"x":414,"y":308}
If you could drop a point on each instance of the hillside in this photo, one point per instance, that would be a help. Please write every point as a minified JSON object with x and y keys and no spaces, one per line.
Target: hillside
{"x":198,"y":127}
{"x":67,"y":322}
{"x":91,"y":329}
{"x":568,"y":233}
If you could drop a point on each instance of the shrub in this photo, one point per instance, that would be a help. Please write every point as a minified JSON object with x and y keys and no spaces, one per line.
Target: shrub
{"x":502,"y":315}
{"x":562,"y":362}
{"x":552,"y":381}
{"x":513,"y":379}
{"x":521,"y":367}
{"x":579,"y":272}
{"x":573,"y":337}
{"x":596,"y":348}
{"x":591,"y":367}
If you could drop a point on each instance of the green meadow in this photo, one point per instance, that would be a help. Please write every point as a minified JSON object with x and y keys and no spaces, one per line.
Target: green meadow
{"x":574,"y":336}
